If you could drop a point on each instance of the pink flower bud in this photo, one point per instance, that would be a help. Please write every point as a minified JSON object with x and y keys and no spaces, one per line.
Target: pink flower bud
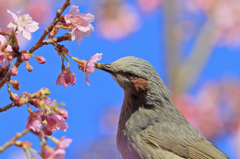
{"x":25,"y":57}
{"x":63,"y":113}
{"x":2,"y":56}
{"x":14,"y":71}
{"x":14,"y":97}
{"x":10,"y":57}
{"x":41,"y":59}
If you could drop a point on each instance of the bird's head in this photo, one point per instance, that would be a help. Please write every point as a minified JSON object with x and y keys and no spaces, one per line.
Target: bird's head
{"x":134,"y":75}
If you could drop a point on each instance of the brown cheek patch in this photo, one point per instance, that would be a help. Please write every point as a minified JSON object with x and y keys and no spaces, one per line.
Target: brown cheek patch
{"x":140,"y":84}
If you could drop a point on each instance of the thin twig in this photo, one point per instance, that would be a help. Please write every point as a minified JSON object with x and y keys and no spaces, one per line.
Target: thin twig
{"x":55,"y":40}
{"x":13,"y":140}
{"x":50,"y":27}
{"x":7,"y":107}
{"x":39,"y":43}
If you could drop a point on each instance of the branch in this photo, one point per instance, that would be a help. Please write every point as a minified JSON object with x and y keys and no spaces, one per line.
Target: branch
{"x":39,"y":43}
{"x":50,"y":27}
{"x":190,"y":70}
{"x":55,"y":40}
{"x":7,"y":107}
{"x":13,"y":140}
{"x":171,"y":40}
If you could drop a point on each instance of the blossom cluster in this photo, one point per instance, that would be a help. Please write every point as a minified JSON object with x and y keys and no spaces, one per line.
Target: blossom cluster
{"x":49,"y":116}
{"x":59,"y":151}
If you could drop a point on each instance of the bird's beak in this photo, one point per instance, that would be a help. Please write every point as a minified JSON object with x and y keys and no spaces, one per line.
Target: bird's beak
{"x":105,"y":67}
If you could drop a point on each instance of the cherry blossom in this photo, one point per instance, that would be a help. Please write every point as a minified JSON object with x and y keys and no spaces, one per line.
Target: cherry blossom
{"x":80,"y":22}
{"x":61,"y":80}
{"x":56,"y":122}
{"x":115,"y":26}
{"x":223,"y":18}
{"x":64,"y":143}
{"x":58,"y":154}
{"x":149,"y":5}
{"x":34,"y":121}
{"x":89,"y":68}
{"x":69,"y":77}
{"x":23,"y":24}
{"x":3,"y":59}
{"x":48,"y":101}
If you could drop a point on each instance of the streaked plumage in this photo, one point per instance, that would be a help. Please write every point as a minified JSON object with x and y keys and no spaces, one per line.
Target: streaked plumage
{"x":150,"y":126}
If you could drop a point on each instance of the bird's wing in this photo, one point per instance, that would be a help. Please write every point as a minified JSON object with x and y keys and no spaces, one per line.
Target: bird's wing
{"x":184,"y":146}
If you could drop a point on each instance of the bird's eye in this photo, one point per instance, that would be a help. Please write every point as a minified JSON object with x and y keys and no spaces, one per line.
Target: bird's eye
{"x":130,"y":74}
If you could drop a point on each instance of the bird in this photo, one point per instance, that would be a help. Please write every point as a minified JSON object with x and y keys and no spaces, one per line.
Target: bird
{"x":150,"y":126}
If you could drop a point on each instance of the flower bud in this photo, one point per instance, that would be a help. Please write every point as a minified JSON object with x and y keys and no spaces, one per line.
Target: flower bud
{"x":37,"y":103}
{"x":29,"y":67}
{"x":15,"y":84}
{"x":22,"y":100}
{"x":41,"y":59}
{"x":64,"y":50}
{"x":10,"y":57}
{"x":23,"y":144}
{"x":63,"y":113}
{"x":45,"y":91}
{"x":25,"y":57}
{"x":14,"y":97}
{"x":25,"y":94}
{"x":2,"y":56}
{"x":82,"y":67}
{"x":14,"y":71}
{"x":41,"y":93}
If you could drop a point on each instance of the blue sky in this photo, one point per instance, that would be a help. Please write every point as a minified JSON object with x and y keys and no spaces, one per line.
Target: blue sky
{"x":84,"y":103}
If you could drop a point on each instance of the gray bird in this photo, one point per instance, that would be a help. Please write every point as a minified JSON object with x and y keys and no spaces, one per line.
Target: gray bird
{"x":150,"y":126}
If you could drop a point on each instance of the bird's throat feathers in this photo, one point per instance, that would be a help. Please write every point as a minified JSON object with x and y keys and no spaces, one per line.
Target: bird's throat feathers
{"x":144,"y":92}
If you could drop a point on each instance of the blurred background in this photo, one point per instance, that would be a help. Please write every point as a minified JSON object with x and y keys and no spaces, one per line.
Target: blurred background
{"x":193,"y":44}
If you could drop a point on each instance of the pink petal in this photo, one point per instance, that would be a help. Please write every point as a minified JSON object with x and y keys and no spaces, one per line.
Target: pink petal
{"x":2,"y":39}
{"x":61,"y":80}
{"x":79,"y":36}
{"x":64,"y":143}
{"x":96,"y":58}
{"x":58,"y":154}
{"x":9,"y":48}
{"x":74,"y":10}
{"x":88,"y":17}
{"x":86,"y":78}
{"x":13,"y":15}
{"x":64,"y":113}
{"x":34,"y":27}
{"x":11,"y":25}
{"x":73,"y":34}
{"x":26,"y":34}
{"x":5,"y":62}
